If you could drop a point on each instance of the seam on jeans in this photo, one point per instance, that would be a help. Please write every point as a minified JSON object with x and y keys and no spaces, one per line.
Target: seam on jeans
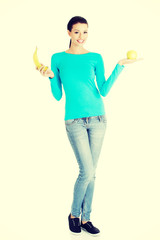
{"x":84,"y":205}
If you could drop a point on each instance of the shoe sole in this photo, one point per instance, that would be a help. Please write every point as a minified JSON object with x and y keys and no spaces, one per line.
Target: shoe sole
{"x":75,"y":233}
{"x":92,"y":234}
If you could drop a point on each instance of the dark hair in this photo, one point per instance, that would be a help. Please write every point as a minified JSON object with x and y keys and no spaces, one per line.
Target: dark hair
{"x":75,"y":20}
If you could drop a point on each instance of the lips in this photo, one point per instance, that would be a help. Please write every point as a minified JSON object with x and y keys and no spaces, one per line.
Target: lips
{"x":80,"y":41}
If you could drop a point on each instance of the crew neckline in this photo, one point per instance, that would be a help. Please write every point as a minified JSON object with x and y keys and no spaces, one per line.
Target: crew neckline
{"x":76,"y":53}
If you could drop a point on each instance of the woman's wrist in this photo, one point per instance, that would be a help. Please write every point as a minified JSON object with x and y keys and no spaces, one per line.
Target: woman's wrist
{"x":120,"y":63}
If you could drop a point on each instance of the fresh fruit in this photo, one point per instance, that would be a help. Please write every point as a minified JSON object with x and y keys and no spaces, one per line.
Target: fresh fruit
{"x":131,"y":54}
{"x":36,"y":61}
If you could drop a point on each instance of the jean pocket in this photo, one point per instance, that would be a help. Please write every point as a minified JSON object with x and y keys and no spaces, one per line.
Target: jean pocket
{"x":71,"y":121}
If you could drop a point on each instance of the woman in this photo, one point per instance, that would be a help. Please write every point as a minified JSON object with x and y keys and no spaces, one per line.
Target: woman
{"x":85,"y":118}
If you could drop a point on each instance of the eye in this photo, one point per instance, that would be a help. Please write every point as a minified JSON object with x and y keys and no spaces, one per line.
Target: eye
{"x":77,"y":32}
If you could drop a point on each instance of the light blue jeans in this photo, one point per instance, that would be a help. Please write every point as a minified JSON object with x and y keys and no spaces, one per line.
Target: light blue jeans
{"x":86,"y":137}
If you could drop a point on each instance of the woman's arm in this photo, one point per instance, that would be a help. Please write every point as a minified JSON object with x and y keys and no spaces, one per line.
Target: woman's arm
{"x":104,"y":85}
{"x":55,"y":82}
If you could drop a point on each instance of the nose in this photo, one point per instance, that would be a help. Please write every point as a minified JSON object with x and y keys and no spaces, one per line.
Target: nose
{"x":81,"y":37}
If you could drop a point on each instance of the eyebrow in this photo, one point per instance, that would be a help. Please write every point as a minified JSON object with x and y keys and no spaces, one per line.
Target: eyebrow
{"x":78,"y":30}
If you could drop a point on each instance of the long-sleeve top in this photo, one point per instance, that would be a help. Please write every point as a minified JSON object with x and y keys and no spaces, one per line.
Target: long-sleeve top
{"x":76,"y":72}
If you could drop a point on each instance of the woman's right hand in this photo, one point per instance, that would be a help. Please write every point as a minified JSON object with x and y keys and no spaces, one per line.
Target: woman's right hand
{"x":47,"y":73}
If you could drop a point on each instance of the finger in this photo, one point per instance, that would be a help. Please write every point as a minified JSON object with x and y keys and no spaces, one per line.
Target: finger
{"x":45,"y":68}
{"x":136,"y":60}
{"x":42,"y":71}
{"x":41,"y":68}
{"x":140,"y":59}
{"x":130,"y":60}
{"x":133,"y":60}
{"x":46,"y":71}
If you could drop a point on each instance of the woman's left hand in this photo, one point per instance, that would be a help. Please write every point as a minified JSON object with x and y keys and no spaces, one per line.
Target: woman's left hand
{"x":127,"y":61}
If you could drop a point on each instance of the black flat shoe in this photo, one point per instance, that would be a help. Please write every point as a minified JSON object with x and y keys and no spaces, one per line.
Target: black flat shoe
{"x":74,"y":225}
{"x":88,"y":227}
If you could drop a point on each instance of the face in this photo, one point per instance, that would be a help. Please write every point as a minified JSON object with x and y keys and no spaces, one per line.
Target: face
{"x":79,"y":32}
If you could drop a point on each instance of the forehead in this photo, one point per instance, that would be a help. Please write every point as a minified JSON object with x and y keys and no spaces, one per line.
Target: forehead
{"x":80,"y":26}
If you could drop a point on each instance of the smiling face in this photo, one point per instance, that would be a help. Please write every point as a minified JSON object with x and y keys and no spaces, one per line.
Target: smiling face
{"x":79,"y":34}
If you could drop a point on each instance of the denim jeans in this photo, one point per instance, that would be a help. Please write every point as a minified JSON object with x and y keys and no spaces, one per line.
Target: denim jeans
{"x":86,"y":137}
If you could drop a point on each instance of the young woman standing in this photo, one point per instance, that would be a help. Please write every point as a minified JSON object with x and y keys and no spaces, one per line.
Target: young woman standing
{"x":85,"y":118}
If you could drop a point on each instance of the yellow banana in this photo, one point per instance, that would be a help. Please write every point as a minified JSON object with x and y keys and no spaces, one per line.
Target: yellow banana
{"x":36,"y":61}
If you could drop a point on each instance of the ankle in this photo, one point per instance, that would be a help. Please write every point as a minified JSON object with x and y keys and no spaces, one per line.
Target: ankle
{"x":84,"y":222}
{"x":72,"y":216}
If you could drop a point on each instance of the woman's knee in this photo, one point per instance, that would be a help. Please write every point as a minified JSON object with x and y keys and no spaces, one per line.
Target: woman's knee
{"x":87,"y":175}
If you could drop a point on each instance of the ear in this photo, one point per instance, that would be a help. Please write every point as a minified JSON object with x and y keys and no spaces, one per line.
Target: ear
{"x":68,"y":32}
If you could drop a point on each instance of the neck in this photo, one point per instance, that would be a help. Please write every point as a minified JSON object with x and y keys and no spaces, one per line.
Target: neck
{"x":76,"y":49}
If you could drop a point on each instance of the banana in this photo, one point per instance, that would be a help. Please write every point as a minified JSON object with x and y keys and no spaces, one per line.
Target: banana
{"x":36,"y":61}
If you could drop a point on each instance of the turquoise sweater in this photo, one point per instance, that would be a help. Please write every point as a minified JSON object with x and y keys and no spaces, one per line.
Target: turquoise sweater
{"x":76,"y":72}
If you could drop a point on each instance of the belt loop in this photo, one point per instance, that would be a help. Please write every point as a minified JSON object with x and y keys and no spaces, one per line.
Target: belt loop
{"x":99,"y":118}
{"x":87,"y":119}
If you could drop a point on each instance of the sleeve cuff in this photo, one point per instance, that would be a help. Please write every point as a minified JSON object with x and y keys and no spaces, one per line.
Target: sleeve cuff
{"x":122,"y":66}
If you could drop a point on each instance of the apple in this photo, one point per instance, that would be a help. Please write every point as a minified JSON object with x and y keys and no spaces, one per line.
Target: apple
{"x":131,"y":54}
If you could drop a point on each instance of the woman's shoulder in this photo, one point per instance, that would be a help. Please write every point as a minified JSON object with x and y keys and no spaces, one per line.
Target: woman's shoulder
{"x":83,"y":53}
{"x":60,"y":54}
